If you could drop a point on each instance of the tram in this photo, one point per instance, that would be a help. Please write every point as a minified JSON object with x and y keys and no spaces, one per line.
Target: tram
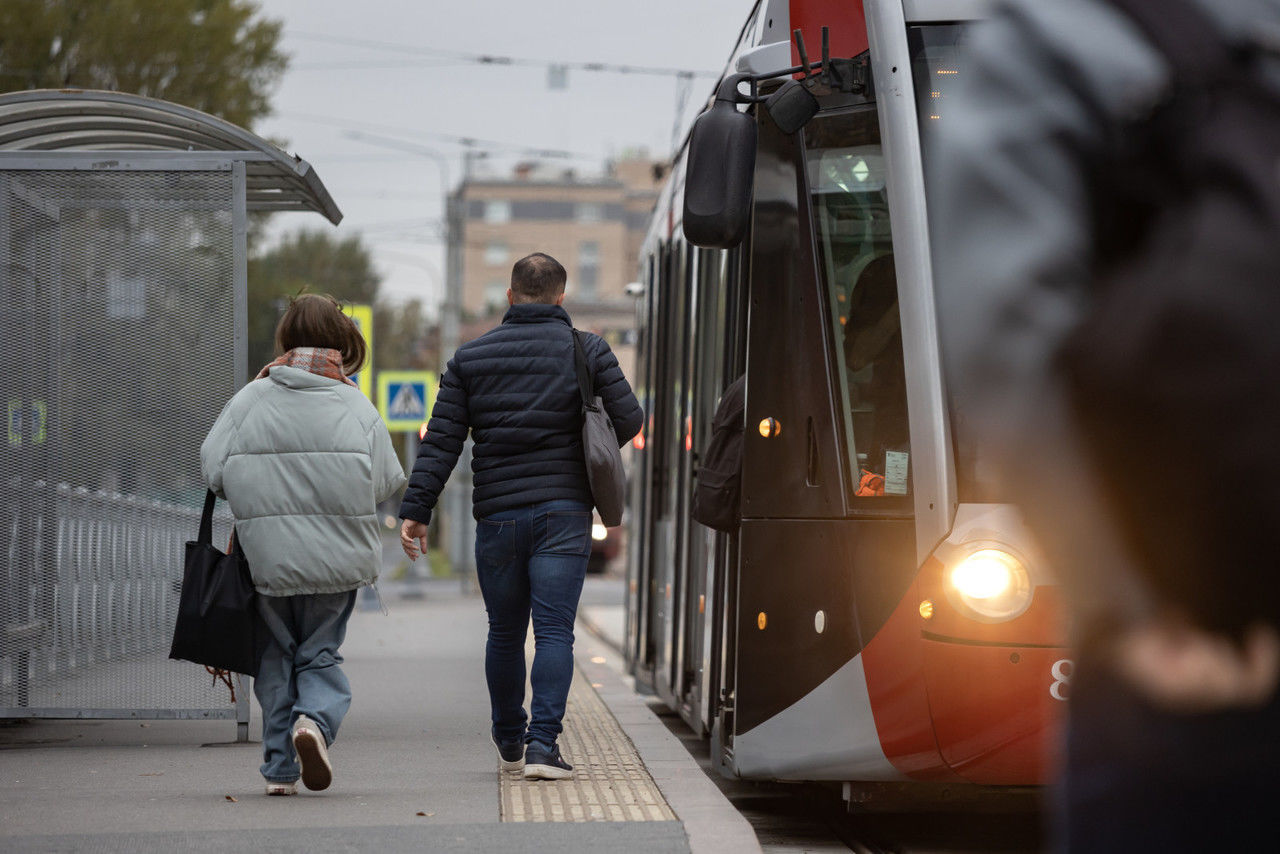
{"x":880,"y":614}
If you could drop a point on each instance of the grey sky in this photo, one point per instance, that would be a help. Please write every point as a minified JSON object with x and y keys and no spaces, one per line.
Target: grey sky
{"x":394,"y":198}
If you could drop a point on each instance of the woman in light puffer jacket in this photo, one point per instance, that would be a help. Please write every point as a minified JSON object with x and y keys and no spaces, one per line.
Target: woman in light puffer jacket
{"x":303,"y":458}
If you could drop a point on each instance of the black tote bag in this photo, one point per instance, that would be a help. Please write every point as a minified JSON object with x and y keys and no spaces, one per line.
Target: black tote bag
{"x":216,"y":623}
{"x":600,"y":447}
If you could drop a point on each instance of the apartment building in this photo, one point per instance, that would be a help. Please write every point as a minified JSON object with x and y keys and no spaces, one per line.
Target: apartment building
{"x":593,"y":225}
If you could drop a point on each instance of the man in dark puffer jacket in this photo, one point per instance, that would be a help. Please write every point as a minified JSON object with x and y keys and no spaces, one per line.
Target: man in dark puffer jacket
{"x":515,"y":388}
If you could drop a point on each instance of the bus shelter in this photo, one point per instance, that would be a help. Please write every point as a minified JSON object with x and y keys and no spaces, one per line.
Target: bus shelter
{"x":123,"y":224}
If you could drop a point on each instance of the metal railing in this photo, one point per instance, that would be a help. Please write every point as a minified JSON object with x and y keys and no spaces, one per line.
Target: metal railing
{"x":89,"y":587}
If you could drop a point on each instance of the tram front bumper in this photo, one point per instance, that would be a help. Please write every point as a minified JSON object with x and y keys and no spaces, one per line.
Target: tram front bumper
{"x":997,"y":709}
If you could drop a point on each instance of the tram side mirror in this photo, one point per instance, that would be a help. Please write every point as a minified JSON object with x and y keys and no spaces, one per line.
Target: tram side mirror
{"x":719,"y":175}
{"x":791,"y":106}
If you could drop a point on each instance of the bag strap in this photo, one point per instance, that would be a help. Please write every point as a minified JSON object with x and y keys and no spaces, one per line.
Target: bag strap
{"x":584,"y":376}
{"x":206,"y":519}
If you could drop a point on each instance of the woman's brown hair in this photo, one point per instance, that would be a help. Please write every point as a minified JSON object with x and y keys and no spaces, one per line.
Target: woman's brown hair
{"x":313,"y":320}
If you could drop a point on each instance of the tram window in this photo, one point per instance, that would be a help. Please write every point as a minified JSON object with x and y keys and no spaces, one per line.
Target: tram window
{"x":845,"y":167}
{"x":938,"y":62}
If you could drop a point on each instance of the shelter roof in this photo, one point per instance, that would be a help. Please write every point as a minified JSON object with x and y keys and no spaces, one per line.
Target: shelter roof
{"x":47,"y":120}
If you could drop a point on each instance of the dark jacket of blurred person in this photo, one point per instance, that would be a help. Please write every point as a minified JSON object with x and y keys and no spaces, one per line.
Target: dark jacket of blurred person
{"x":1174,"y":733}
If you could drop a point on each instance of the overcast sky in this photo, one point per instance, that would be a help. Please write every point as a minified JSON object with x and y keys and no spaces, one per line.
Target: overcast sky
{"x":391,"y":68}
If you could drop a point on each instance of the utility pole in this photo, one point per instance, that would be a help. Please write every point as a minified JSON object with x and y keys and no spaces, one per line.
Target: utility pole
{"x":462,"y":525}
{"x":455,"y":501}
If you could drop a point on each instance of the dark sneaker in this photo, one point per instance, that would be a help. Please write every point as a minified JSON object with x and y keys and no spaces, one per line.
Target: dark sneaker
{"x":545,"y":763}
{"x":510,"y":754}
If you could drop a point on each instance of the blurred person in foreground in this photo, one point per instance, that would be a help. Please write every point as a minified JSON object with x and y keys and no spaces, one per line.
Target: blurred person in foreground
{"x":1078,"y":156}
{"x":515,"y":390}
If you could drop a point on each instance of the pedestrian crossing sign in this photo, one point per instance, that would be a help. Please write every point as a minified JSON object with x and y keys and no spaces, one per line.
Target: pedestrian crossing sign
{"x":405,"y":398}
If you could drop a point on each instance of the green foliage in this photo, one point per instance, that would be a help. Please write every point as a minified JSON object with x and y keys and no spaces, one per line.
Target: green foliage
{"x":311,"y":261}
{"x":400,"y":338}
{"x":317,"y":262}
{"x":213,"y":55}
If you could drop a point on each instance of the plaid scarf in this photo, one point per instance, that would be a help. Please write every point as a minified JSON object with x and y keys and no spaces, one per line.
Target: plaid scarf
{"x":318,"y":360}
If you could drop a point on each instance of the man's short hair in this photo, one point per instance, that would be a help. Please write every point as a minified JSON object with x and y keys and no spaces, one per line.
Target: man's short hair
{"x":537,"y":278}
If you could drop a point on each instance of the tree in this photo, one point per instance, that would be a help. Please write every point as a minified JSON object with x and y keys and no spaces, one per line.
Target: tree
{"x":316,"y":262}
{"x":214,"y":55}
{"x":311,"y":261}
{"x":402,"y":338}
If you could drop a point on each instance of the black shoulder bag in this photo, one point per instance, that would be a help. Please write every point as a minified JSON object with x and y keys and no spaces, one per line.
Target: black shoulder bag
{"x":216,"y":623}
{"x":717,"y":495}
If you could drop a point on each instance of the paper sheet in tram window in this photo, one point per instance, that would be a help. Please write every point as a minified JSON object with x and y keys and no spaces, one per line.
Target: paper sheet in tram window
{"x":895,"y":472}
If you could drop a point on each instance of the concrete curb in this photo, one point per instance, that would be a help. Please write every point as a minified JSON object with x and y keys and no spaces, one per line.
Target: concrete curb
{"x":711,"y":822}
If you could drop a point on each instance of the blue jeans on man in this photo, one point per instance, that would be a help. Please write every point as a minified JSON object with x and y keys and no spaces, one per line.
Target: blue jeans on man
{"x":531,"y":561}
{"x":299,"y":674}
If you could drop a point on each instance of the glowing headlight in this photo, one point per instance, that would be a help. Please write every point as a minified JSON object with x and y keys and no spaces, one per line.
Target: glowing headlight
{"x":991,"y":584}
{"x":598,"y":531}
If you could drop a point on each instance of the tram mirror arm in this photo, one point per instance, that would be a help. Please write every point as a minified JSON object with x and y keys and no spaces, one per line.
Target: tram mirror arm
{"x":793,"y":105}
{"x":720,"y":167}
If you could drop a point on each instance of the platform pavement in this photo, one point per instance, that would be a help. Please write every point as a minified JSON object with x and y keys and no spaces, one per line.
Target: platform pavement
{"x":414,"y":770}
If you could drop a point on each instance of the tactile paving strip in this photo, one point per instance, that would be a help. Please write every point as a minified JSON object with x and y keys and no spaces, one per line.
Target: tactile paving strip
{"x":609,"y":783}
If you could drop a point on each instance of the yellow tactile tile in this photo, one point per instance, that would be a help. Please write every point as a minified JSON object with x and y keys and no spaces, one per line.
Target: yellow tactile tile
{"x":609,"y":783}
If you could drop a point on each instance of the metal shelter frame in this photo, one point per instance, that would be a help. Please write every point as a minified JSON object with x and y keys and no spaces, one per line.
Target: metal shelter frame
{"x":98,"y":131}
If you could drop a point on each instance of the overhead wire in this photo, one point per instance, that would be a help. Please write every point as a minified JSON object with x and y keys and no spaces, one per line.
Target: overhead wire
{"x":485,"y":59}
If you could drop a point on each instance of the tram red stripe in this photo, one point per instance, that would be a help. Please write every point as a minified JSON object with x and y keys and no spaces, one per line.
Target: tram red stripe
{"x":845,"y":19}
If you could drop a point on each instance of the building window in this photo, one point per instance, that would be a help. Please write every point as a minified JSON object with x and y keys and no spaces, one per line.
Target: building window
{"x":496,"y":253}
{"x":588,"y":212}
{"x":497,"y":211}
{"x":495,"y":293}
{"x":588,"y":269}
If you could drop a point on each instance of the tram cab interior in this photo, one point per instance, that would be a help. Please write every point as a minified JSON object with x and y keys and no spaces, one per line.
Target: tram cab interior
{"x":851,"y":214}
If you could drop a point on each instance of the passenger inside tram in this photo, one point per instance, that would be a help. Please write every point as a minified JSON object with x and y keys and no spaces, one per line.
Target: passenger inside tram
{"x":873,"y":358}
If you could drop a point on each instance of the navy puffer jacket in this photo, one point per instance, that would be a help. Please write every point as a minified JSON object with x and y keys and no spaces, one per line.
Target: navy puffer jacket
{"x":515,"y":388}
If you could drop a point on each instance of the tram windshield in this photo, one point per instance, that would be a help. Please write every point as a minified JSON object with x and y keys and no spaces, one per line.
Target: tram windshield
{"x":937,"y":63}
{"x":845,"y":165}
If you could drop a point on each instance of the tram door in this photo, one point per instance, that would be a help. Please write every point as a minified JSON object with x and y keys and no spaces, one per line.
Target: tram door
{"x":639,"y":598}
{"x":710,"y":367}
{"x":827,"y":539}
{"x":667,"y":506}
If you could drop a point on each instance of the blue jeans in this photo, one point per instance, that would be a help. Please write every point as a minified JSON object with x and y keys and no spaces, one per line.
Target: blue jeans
{"x":299,"y":674}
{"x":532,"y":561}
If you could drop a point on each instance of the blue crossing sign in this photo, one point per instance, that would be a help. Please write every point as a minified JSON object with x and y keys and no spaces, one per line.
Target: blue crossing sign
{"x":405,"y":398}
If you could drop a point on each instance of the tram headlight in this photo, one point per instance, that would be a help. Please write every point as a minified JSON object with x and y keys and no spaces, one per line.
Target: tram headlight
{"x":990,"y":585}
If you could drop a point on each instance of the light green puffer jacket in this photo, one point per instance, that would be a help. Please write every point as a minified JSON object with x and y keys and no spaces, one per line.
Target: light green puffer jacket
{"x":303,"y":461}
